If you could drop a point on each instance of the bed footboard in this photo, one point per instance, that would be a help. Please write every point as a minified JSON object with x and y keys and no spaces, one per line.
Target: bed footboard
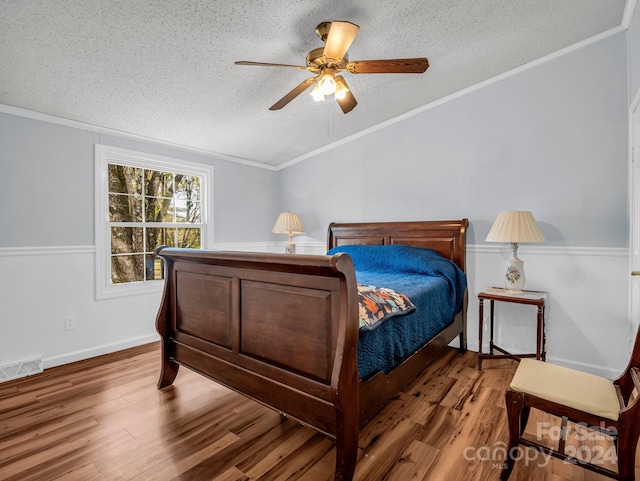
{"x":280,"y":329}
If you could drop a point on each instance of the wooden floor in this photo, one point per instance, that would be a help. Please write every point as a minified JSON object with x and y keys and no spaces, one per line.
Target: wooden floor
{"x":104,"y":419}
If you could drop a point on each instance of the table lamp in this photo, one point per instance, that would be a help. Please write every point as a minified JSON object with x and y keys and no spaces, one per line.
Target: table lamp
{"x":288,"y":223}
{"x":514,"y":227}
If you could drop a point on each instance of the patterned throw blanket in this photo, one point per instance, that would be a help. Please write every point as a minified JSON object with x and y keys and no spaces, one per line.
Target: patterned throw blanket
{"x":377,"y":304}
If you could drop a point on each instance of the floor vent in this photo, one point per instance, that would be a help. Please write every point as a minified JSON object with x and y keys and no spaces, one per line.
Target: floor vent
{"x":20,"y":369}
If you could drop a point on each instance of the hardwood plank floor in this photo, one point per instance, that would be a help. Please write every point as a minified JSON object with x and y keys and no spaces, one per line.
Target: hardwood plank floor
{"x":103,"y":419}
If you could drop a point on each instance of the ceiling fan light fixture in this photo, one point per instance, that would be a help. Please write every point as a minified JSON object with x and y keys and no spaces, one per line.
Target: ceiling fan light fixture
{"x":341,"y":88}
{"x":316,"y":93}
{"x":327,"y":82}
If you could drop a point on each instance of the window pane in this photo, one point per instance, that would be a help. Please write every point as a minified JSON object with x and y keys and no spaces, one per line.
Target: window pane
{"x":125,"y":208}
{"x":189,"y":238}
{"x":158,"y":209}
{"x":126,"y":240}
{"x":125,"y":180}
{"x":187,"y":211}
{"x":154,"y":267}
{"x":129,"y":268}
{"x":188,"y":187}
{"x":159,"y":236}
{"x":158,"y":184}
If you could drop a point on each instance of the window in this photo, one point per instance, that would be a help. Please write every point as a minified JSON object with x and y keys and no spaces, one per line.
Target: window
{"x":145,"y":201}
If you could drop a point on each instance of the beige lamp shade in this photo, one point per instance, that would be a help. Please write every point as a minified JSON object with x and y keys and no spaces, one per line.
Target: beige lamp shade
{"x":515,"y":226}
{"x":288,"y":223}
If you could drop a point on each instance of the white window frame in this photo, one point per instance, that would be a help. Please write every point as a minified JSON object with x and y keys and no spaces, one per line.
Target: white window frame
{"x":105,"y":155}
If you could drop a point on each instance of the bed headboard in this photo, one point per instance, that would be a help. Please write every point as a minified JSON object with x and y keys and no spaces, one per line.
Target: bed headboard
{"x":447,"y":237}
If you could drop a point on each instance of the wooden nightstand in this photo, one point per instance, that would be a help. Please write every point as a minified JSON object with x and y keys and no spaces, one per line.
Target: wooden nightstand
{"x":533,"y":298}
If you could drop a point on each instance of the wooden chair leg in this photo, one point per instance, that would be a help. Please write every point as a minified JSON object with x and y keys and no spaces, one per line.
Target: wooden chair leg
{"x":515,"y":416}
{"x":524,"y":418}
{"x":627,"y":444}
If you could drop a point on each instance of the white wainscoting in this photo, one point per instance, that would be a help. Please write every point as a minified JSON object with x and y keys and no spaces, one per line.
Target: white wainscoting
{"x":41,"y":286}
{"x":588,"y":322}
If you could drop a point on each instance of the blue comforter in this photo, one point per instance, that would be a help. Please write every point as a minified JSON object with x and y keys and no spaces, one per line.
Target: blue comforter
{"x":434,"y":284}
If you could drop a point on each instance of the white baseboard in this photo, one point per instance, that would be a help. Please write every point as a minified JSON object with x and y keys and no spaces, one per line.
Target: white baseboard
{"x":598,"y":370}
{"x":98,"y":351}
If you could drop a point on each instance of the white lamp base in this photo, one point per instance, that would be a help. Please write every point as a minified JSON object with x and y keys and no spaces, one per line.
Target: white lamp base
{"x":289,"y":248}
{"x":514,"y":271}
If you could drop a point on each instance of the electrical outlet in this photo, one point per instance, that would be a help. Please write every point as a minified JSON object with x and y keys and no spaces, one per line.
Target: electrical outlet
{"x":69,"y":323}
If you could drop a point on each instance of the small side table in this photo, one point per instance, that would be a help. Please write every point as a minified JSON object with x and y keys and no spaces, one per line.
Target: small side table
{"x":533,"y":298}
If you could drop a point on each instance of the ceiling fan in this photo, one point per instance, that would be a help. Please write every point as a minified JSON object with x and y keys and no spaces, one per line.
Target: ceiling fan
{"x":327,"y":61}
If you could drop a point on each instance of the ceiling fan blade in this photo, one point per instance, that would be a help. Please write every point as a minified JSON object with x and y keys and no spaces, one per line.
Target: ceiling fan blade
{"x":264,"y":64}
{"x":397,"y":65}
{"x":304,"y":85}
{"x":340,"y":36}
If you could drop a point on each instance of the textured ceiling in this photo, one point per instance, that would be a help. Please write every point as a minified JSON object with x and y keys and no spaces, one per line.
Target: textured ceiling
{"x":165,"y":70}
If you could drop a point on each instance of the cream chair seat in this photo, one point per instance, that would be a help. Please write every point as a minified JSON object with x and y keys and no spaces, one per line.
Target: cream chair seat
{"x":576,"y":389}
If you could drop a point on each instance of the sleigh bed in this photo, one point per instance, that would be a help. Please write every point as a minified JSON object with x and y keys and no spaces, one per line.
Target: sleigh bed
{"x":285,"y":330}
